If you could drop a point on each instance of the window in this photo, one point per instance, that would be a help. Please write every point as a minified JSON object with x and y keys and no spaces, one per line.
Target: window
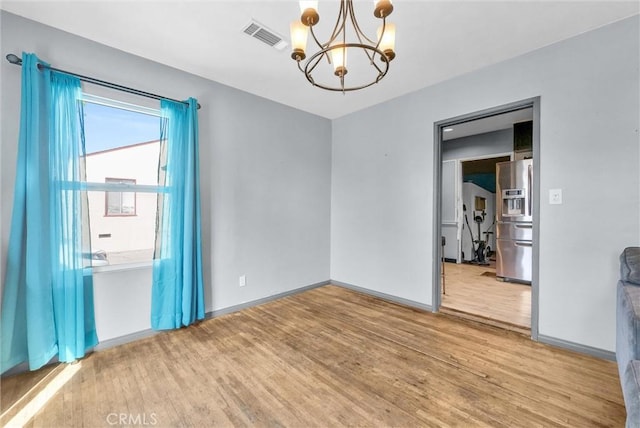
{"x":122,"y":143}
{"x":120,"y":203}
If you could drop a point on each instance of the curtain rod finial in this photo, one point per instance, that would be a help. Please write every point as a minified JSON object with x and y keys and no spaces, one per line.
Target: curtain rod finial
{"x":14,"y":59}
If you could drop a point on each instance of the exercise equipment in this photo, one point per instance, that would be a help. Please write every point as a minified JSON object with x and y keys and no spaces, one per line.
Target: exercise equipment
{"x":481,"y":251}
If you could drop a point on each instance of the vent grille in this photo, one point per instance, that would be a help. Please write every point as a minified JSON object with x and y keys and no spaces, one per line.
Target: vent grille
{"x":251,"y":28}
{"x":265,"y":35}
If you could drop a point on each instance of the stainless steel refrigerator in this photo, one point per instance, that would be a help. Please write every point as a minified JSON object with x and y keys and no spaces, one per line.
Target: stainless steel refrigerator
{"x":514,"y":230}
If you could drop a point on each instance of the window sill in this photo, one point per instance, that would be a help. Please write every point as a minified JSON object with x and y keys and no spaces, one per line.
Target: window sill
{"x":122,"y":267}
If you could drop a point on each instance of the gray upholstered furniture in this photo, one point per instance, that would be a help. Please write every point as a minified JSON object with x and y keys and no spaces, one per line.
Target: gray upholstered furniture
{"x":628,"y":332}
{"x":631,"y":387}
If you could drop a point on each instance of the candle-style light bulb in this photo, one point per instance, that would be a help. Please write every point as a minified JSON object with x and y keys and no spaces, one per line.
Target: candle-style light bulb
{"x":299,"y":33}
{"x":387,"y":40}
{"x":339,"y":60}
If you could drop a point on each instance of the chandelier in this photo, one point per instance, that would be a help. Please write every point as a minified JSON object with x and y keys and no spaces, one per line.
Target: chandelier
{"x":370,"y":58}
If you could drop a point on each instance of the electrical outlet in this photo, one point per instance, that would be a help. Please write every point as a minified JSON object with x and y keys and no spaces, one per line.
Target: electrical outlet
{"x":243,"y":280}
{"x":555,"y":196}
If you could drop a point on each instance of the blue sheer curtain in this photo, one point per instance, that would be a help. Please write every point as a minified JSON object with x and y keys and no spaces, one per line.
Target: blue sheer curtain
{"x":177,"y":292}
{"x":70,"y":235}
{"x":28,"y":329}
{"x":44,"y":306}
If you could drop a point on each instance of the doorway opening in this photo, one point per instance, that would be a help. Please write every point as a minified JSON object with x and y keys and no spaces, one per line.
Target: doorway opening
{"x":474,"y":210}
{"x":478,"y":199}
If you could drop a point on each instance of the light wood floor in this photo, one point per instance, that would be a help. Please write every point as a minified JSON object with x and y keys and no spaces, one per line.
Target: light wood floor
{"x":330,"y":357}
{"x":474,"y":289}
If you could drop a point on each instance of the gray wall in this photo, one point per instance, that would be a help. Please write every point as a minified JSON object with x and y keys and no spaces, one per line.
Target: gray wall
{"x":382,"y":178}
{"x":267,"y":192}
{"x":265,"y":173}
{"x":480,"y":145}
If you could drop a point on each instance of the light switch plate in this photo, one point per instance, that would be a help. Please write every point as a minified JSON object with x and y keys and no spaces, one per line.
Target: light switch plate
{"x":555,"y":196}
{"x":242,"y":281}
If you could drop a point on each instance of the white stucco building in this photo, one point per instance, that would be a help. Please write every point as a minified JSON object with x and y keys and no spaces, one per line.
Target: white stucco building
{"x":123,"y":223}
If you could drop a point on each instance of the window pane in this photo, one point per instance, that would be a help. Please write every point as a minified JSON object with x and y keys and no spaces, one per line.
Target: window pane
{"x":123,"y":238}
{"x":121,"y":143}
{"x":122,"y":148}
{"x":128,"y":203}
{"x":113,"y":203}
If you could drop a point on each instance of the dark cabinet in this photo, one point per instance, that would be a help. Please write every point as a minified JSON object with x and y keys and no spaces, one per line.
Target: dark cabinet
{"x":523,"y":136}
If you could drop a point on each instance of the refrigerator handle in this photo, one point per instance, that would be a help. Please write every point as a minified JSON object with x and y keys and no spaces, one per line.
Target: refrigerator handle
{"x":523,"y":243}
{"x":523,"y":226}
{"x":530,"y":189}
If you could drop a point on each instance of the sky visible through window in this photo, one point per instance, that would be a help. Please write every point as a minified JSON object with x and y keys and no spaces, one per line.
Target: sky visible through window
{"x":108,"y":127}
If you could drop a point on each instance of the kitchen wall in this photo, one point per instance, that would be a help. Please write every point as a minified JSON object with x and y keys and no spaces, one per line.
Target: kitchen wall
{"x":383,"y":184}
{"x":265,"y":190}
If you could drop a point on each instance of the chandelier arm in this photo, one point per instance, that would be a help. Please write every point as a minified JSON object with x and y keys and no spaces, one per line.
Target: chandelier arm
{"x":370,"y":56}
{"x":315,"y":39}
{"x":360,"y":34}
{"x":344,"y":35}
{"x":377,"y":49}
{"x":320,"y":45}
{"x":339,"y":27}
{"x":384,"y":28}
{"x":313,"y":34}
{"x":356,"y":26}
{"x":380,"y":72}
{"x":309,"y":68}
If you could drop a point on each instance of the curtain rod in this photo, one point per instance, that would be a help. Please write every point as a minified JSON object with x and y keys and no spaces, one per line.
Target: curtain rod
{"x":14,"y":59}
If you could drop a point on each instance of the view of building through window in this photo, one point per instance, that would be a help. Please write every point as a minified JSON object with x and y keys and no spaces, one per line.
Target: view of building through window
{"x":122,"y":154}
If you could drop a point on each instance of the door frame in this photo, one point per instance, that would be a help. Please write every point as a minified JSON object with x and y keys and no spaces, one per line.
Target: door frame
{"x":438,"y":127}
{"x":457,"y":189}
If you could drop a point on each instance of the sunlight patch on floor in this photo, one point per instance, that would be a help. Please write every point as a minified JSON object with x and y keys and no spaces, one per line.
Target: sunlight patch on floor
{"x":52,"y":384}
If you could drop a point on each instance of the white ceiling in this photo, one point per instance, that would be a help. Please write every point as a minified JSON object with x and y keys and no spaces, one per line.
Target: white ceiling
{"x":436,"y":40}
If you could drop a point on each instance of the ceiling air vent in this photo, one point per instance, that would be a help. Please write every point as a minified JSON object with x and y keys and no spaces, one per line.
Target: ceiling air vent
{"x":265,"y":35}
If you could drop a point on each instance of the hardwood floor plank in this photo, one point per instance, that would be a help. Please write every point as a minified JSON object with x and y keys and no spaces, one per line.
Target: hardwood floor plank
{"x":475,"y":290}
{"x":333,"y":357}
